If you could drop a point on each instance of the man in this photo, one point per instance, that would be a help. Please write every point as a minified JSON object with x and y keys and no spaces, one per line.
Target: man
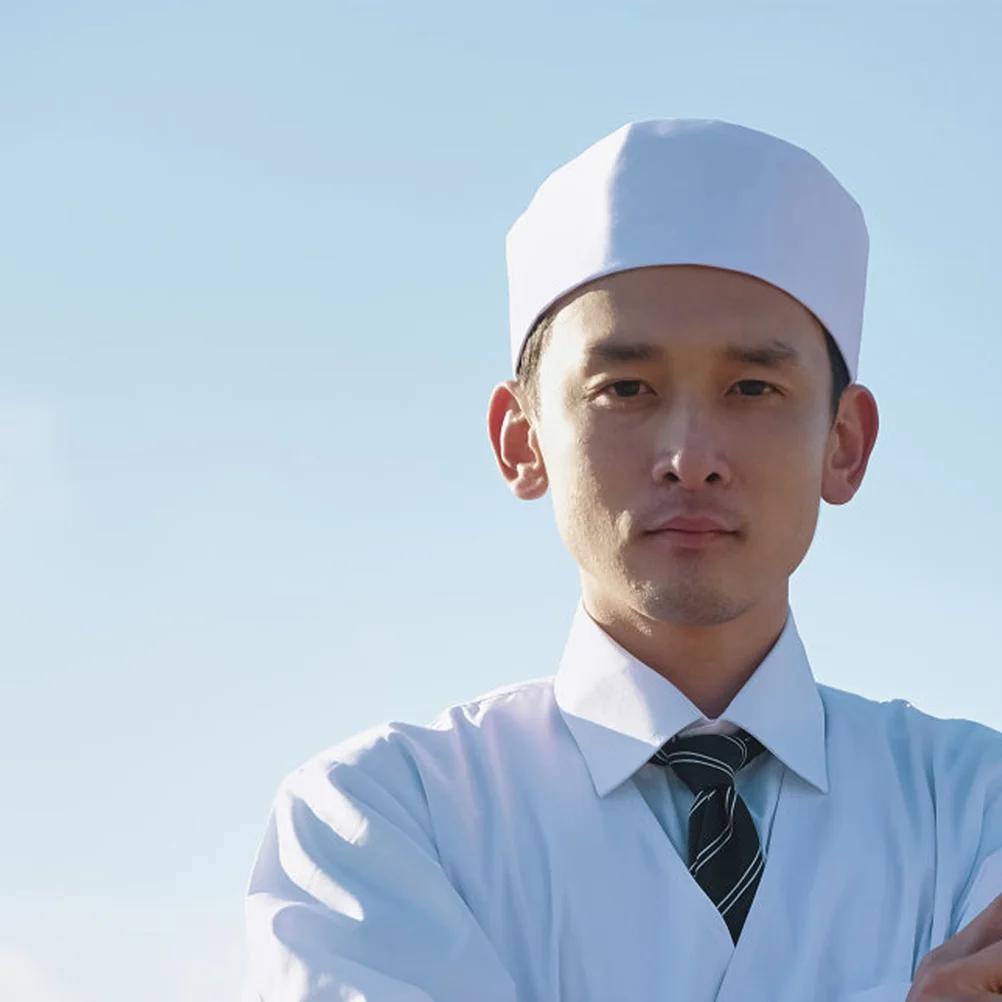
{"x":682,"y":813}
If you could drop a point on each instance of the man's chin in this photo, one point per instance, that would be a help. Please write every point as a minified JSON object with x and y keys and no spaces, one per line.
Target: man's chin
{"x":690,"y":604}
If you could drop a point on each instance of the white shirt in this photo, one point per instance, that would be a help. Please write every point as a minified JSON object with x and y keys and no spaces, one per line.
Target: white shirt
{"x":521,"y":849}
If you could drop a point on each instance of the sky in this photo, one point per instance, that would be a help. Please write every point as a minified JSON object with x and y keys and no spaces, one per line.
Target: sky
{"x":252,"y":306}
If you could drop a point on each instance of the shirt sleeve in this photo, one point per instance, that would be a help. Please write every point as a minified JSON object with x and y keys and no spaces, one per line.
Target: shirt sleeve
{"x":985,"y":887}
{"x":976,"y":761}
{"x":348,"y":898}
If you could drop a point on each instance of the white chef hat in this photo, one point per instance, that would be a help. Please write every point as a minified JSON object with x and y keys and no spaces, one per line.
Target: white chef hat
{"x":695,"y":192}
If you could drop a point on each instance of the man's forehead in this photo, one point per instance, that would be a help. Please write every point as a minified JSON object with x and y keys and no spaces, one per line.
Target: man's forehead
{"x":642,"y":316}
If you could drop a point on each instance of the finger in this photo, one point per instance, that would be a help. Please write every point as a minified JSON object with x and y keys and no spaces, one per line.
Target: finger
{"x":985,"y":928}
{"x":975,"y":976}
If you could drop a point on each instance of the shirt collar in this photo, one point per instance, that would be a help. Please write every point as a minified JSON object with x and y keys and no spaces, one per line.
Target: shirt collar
{"x":620,"y":711}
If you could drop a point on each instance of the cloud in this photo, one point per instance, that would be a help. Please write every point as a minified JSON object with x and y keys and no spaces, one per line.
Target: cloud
{"x":177,"y":953}
{"x":23,"y":979}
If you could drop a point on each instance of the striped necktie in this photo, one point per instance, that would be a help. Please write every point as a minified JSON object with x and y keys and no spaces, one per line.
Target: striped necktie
{"x":725,"y":856}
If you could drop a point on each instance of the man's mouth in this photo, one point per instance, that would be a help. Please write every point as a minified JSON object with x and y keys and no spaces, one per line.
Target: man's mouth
{"x":692,"y":531}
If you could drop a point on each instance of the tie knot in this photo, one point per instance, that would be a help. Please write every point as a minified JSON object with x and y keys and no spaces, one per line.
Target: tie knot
{"x":706,"y":761}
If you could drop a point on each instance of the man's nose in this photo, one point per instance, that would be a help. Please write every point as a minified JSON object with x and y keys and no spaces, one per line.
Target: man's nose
{"x":690,"y":452}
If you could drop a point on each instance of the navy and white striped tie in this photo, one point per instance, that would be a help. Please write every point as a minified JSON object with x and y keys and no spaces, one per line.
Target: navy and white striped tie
{"x":725,"y":856}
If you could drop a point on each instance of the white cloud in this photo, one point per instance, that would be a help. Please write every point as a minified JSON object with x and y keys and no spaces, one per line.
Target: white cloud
{"x":23,"y":979}
{"x":92,"y":948}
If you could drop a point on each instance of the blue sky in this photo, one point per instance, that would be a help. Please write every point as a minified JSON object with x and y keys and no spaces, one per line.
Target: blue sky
{"x":252,"y":305}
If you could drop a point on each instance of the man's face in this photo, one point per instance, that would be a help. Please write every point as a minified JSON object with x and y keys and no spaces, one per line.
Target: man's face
{"x":684,"y":423}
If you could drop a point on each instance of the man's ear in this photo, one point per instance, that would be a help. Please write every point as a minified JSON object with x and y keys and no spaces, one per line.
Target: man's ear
{"x":850,"y":444}
{"x":516,"y":443}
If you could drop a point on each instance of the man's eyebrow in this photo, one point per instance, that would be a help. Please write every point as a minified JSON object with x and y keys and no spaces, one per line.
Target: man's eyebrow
{"x":771,"y":355}
{"x":624,"y":351}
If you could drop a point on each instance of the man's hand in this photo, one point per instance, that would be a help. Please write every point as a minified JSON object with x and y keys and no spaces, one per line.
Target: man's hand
{"x":969,"y":966}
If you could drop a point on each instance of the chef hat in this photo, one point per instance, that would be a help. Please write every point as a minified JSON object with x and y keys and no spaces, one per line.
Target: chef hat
{"x":693,"y":192}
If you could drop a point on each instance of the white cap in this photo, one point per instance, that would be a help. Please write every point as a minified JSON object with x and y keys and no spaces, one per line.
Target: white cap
{"x":700,"y":193}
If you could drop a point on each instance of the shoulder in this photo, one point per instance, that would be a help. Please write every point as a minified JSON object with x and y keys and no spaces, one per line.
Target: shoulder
{"x":511,"y":722}
{"x":901,"y":718}
{"x":945,"y":750}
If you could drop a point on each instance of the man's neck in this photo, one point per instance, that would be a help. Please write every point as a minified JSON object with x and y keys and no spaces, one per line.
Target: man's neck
{"x":707,"y":664}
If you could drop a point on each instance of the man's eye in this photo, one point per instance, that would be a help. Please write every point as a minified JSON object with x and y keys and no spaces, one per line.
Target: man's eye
{"x":754,"y":388}
{"x":624,"y":388}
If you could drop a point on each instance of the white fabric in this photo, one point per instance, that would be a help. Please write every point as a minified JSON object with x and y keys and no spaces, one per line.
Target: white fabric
{"x":506,"y":852}
{"x":694,"y":192}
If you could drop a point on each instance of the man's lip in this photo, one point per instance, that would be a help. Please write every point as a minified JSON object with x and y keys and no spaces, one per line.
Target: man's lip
{"x":691,"y":523}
